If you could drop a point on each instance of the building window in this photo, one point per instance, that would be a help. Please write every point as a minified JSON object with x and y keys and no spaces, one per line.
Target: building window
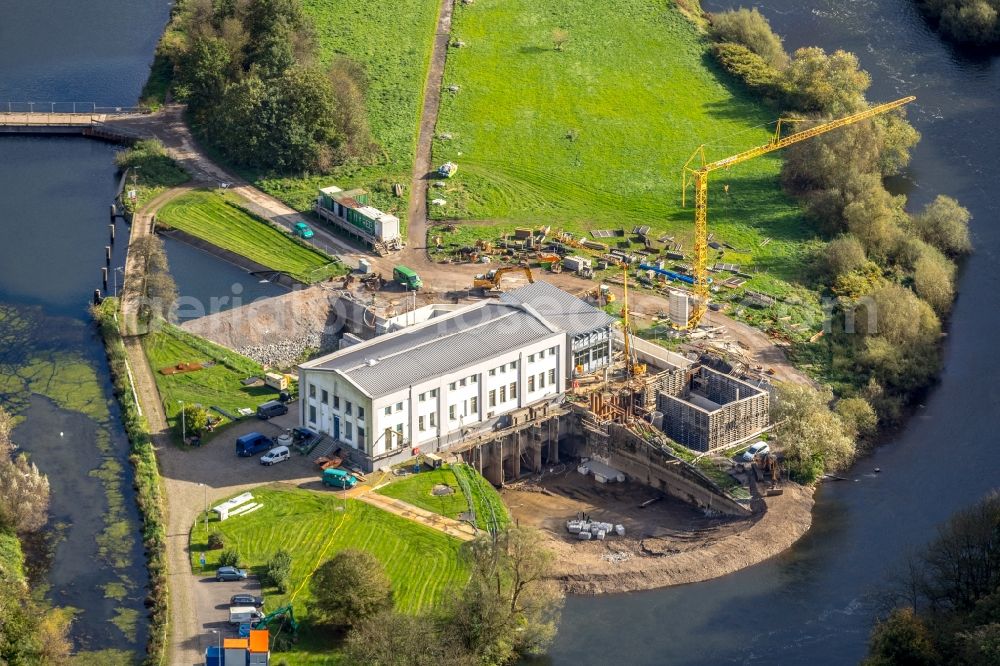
{"x":541,"y":380}
{"x":503,"y":368}
{"x":399,"y":406}
{"x":388,"y":410}
{"x":553,"y":350}
{"x":451,"y":412}
{"x":541,"y":354}
{"x":552,"y":376}
{"x":312,"y":413}
{"x":474,"y":405}
{"x":388,"y":438}
{"x":423,"y":397}
{"x":493,"y":398}
{"x":326,"y":396}
{"x":361,"y":412}
{"x":434,"y":393}
{"x":462,"y":382}
{"x":531,"y":383}
{"x":493,"y":372}
{"x":531,"y":358}
{"x":420,"y":423}
{"x":312,"y":390}
{"x":348,"y":435}
{"x":474,"y":379}
{"x":399,"y":434}
{"x":451,"y":387}
{"x":513,"y":390}
{"x":503,"y":394}
{"x":361,"y":436}
{"x":336,"y":402}
{"x":347,"y":407}
{"x":513,"y":365}
{"x":434,"y":419}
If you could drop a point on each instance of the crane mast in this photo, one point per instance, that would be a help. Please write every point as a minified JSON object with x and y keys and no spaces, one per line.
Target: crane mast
{"x":698,"y":176}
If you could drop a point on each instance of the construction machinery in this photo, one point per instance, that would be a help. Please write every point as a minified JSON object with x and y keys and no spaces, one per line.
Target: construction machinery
{"x":283,"y":616}
{"x":697,"y":175}
{"x":632,"y":366}
{"x":489,"y":282}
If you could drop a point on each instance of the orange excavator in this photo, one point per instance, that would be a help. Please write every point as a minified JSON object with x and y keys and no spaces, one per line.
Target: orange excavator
{"x":489,"y":283}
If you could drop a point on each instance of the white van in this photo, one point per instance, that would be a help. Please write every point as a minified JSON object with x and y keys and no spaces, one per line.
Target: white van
{"x":241,"y":614}
{"x":275,"y":455}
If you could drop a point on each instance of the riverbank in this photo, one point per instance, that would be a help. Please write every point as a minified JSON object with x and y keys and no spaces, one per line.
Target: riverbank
{"x":667,"y":543}
{"x":148,"y":486}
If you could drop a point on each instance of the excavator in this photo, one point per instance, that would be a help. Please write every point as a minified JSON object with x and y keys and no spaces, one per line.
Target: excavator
{"x":280,"y":617}
{"x":489,"y":283}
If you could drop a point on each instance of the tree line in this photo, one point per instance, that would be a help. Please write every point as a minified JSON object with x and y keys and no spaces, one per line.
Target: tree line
{"x":945,"y":603}
{"x":250,"y":74}
{"x":891,"y":274}
{"x":31,"y":632}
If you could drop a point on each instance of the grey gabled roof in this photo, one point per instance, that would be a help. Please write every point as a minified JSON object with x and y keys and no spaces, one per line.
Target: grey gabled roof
{"x":561,"y":309}
{"x":437,"y":347}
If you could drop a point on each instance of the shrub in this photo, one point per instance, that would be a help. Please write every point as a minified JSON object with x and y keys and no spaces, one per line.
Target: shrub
{"x":216,"y":541}
{"x":749,"y":28}
{"x":842,"y":255}
{"x":230,"y":557}
{"x":747,"y":66}
{"x":349,"y":588}
{"x":945,"y":225}
{"x":279,"y":568}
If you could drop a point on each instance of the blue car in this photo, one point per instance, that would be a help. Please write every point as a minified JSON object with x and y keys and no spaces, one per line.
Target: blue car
{"x":302,"y":230}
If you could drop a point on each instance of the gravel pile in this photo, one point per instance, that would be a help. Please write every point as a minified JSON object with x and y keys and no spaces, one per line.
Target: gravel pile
{"x":282,"y":353}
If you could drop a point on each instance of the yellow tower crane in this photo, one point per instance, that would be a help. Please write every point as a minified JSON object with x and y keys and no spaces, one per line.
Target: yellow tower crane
{"x":698,"y":175}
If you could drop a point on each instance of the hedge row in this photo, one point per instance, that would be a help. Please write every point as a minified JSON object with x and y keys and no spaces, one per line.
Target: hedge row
{"x":149,"y":493}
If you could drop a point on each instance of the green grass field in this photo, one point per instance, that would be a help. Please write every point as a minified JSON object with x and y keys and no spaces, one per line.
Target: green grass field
{"x":490,"y":510}
{"x":393,"y":40}
{"x":416,"y":490}
{"x":594,"y":136}
{"x":217,"y":218}
{"x":423,"y":564}
{"x":218,"y":385}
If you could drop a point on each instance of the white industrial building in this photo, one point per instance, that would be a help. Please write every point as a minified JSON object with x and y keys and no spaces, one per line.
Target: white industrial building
{"x":433,"y":383}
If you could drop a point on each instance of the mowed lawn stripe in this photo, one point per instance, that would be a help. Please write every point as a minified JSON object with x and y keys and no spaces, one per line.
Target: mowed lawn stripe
{"x":216,"y":218}
{"x":423,"y":564}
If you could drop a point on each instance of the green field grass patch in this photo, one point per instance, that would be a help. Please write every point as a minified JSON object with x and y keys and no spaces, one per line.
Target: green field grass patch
{"x":423,"y":564}
{"x":217,"y":385}
{"x":491,"y":512}
{"x":219,"y":219}
{"x":594,"y":136}
{"x":416,"y":489}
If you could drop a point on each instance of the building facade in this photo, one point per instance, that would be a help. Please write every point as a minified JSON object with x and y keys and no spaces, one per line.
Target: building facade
{"x":431,"y":384}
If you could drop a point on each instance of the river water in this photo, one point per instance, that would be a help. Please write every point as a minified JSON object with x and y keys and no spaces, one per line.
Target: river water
{"x":811,"y":605}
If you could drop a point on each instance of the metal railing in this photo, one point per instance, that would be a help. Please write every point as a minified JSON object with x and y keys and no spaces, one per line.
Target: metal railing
{"x":69,"y":107}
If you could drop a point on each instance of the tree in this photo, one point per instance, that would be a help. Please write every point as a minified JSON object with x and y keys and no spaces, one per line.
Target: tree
{"x":24,"y":491}
{"x":902,"y":638}
{"x":153,"y":284}
{"x":559,"y":38}
{"x":391,"y":638}
{"x":858,"y":418}
{"x":945,"y":225}
{"x":872,"y":217}
{"x":749,"y":28}
{"x":746,"y":65}
{"x":350,"y":587}
{"x":279,"y":568}
{"x":826,"y":83}
{"x":934,"y":280}
{"x":812,"y":437}
{"x":194,"y":420}
{"x":509,"y":608}
{"x":842,"y":255}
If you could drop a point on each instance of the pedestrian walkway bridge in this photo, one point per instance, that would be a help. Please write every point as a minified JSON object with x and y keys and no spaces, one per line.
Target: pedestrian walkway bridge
{"x":98,"y":122}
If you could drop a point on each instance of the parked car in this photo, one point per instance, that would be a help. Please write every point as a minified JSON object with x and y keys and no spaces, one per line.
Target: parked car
{"x":303,"y":230}
{"x":271,"y":408}
{"x":338,"y":478}
{"x":230,"y":573}
{"x":275,"y":455}
{"x":756,"y":449}
{"x":246,"y":600}
{"x":252,"y":444}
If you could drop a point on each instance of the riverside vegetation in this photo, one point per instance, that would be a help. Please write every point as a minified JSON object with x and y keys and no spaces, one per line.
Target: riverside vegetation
{"x":974,"y":22}
{"x":890,"y":275}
